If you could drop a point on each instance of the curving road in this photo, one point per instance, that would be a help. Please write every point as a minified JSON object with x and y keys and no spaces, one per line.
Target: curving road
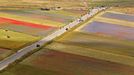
{"x":7,"y":61}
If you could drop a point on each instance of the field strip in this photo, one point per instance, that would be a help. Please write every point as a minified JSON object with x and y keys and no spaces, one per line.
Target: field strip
{"x":108,"y":40}
{"x":31,"y":20}
{"x":115,"y":21}
{"x":65,"y":13}
{"x":21,"y":23}
{"x":122,"y":59}
{"x":62,"y":12}
{"x":119,"y":13}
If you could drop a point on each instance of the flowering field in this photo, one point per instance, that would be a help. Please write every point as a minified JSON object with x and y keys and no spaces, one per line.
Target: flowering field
{"x":118,"y":31}
{"x":96,"y":47}
{"x":20,"y":28}
{"x":119,"y":16}
{"x":36,"y":22}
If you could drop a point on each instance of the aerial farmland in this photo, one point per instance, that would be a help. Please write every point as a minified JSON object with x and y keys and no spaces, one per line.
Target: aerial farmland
{"x":32,"y":41}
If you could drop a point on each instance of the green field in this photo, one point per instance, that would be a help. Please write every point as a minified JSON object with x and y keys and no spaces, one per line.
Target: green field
{"x":14,"y":40}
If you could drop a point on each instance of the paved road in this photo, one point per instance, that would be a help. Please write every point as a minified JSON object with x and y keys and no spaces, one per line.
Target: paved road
{"x":7,"y":61}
